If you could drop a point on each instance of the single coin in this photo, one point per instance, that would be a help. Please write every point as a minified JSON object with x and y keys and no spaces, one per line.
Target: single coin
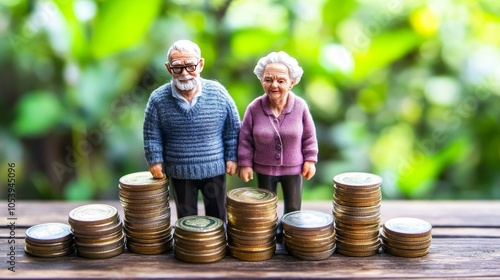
{"x":49,"y":233}
{"x":199,"y":223}
{"x":92,"y":213}
{"x":408,"y":227}
{"x":357,"y":179}
{"x":250,"y":195}
{"x":307,"y":219}
{"x":138,"y":179}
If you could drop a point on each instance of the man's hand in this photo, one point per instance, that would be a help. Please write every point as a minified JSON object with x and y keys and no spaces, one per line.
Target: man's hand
{"x":156,"y":170}
{"x":231,"y":167}
{"x":246,"y":173}
{"x":308,"y":170}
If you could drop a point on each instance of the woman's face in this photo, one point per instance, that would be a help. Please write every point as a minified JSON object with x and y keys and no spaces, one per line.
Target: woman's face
{"x":276,"y":81}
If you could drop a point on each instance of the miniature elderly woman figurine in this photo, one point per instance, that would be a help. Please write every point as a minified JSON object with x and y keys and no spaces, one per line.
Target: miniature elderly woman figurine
{"x":278,"y":138}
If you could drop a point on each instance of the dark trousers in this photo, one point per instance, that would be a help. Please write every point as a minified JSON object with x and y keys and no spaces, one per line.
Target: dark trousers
{"x":213,"y":191}
{"x":291,"y":185}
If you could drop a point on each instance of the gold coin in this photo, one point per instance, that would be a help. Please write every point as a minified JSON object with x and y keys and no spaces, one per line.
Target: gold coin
{"x":358,"y":248}
{"x":145,"y":207}
{"x":406,"y":238}
{"x":349,"y":226}
{"x":351,"y":190}
{"x":149,"y":249}
{"x":136,"y":215}
{"x":199,"y":223}
{"x":92,"y":214}
{"x":408,"y":227}
{"x":58,"y":246}
{"x":405,"y":253}
{"x":312,"y":240}
{"x":406,"y":246}
{"x":132,"y":193}
{"x":252,"y":256}
{"x":364,"y":192}
{"x":79,"y":232}
{"x":307,"y":220}
{"x":49,"y":233}
{"x":356,"y":254}
{"x":251,"y":243}
{"x":357,"y":179}
{"x":311,"y":247}
{"x":193,"y":257}
{"x":367,"y":203}
{"x":49,"y":254}
{"x":363,"y":235}
{"x":250,"y":195}
{"x":141,"y":180}
{"x":102,"y":254}
{"x":148,"y":233}
{"x":311,"y":256}
{"x":356,"y":210}
{"x":97,"y":248}
{"x":190,"y":246}
{"x":245,"y":225}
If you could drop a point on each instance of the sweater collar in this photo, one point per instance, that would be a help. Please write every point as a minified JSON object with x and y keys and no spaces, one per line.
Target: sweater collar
{"x":266,"y":104}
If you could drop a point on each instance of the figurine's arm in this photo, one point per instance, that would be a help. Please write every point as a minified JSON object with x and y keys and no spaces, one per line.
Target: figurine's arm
{"x":232,"y":126}
{"x":153,"y":149}
{"x":246,"y":147}
{"x":309,"y":146}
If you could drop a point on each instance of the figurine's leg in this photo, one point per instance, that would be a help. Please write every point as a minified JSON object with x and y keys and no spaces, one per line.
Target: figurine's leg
{"x":186,"y":197}
{"x":214,"y":196}
{"x":267,"y":182}
{"x":292,"y":192}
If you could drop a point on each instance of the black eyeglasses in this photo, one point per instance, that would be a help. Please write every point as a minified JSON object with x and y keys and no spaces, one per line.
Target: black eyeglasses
{"x":189,"y":68}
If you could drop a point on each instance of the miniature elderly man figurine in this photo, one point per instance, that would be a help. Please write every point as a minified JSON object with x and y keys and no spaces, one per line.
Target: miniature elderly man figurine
{"x":191,"y":128}
{"x":278,"y":136}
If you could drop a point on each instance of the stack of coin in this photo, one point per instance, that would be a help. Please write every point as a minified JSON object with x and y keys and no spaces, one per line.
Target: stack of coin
{"x":199,"y":239}
{"x":252,"y":223}
{"x":406,"y":237}
{"x":356,"y":208}
{"x":147,"y":213}
{"x":98,"y":231}
{"x":49,"y":240}
{"x":309,"y":235}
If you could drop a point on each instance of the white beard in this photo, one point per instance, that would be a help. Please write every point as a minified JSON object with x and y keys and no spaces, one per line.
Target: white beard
{"x":186,"y":83}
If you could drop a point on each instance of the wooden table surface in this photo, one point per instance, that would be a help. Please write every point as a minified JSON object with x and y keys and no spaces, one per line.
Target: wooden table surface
{"x":465,"y":244}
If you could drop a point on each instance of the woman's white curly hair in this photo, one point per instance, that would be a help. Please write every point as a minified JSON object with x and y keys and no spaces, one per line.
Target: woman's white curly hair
{"x":294,"y":70}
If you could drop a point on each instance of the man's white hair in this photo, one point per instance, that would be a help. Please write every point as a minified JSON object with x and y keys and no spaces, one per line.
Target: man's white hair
{"x":294,"y":70}
{"x":184,"y":45}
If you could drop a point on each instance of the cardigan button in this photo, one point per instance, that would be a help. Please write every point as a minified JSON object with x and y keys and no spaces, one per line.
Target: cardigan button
{"x":276,"y":137}
{"x":277,"y":156}
{"x":278,"y":146}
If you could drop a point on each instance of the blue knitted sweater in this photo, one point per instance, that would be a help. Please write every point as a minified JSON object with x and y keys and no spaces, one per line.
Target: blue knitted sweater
{"x":195,"y":143}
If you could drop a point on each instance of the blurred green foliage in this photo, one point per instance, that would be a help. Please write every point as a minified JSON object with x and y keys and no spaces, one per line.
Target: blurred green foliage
{"x":407,"y":89}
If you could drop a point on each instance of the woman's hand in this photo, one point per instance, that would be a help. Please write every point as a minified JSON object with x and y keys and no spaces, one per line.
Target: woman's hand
{"x":308,"y":170}
{"x":246,"y":173}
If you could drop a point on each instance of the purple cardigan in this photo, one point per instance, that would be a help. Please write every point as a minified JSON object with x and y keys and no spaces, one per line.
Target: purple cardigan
{"x":277,"y":146}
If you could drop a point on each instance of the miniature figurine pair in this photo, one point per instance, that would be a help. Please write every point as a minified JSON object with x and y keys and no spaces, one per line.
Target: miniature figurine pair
{"x":192,"y":131}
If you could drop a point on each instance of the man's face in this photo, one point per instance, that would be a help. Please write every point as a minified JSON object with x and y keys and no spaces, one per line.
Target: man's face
{"x":185,"y":68}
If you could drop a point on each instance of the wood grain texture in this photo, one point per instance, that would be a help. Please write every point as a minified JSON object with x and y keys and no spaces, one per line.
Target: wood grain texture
{"x":466,"y":244}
